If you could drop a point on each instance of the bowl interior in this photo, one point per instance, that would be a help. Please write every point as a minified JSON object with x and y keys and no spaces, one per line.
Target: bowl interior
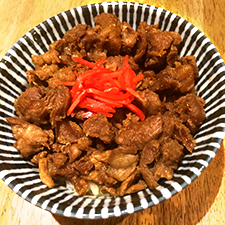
{"x":23,"y":177}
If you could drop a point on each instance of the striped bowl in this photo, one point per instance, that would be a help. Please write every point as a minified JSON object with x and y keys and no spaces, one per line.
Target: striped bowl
{"x":23,"y":177}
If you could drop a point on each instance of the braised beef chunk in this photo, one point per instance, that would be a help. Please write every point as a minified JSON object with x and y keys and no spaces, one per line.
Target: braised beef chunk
{"x":31,"y":139}
{"x":123,"y":154}
{"x":138,"y":134}
{"x":68,"y":132}
{"x":41,"y":106}
{"x":190,"y":109}
{"x":98,"y":126}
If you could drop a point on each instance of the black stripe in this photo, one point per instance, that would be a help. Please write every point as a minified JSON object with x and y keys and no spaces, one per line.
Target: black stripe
{"x":161,"y":19}
{"x":211,"y":131}
{"x":63,"y":22}
{"x":214,"y":123}
{"x":44,"y":34}
{"x":14,"y":174}
{"x":208,"y":141}
{"x":166,"y":21}
{"x":7,"y":109}
{"x":5,"y":100}
{"x":192,"y":41}
{"x":50,"y":30}
{"x":131,"y":12}
{"x":139,"y":13}
{"x":174,"y":23}
{"x":70,"y":18}
{"x":57,"y":26}
{"x":3,"y":114}
{"x":94,"y":11}
{"x":11,"y":66}
{"x":153,"y":16}
{"x":4,"y":129}
{"x":219,"y":103}
{"x":110,"y":9}
{"x":9,"y":152}
{"x":27,"y":187}
{"x":218,"y":96}
{"x":77,"y":16}
{"x":21,"y":55}
{"x":86,"y":15}
{"x":38,"y":40}
{"x":116,"y":10}
{"x":180,"y":181}
{"x":31,"y":44}
{"x":205,"y":77}
{"x":16,"y":61}
{"x":6,"y":91}
{"x":146,"y":14}
{"x":124,"y":13}
{"x":3,"y":121}
{"x":12,"y":80}
{"x":101,"y":9}
{"x":204,"y":157}
{"x":9,"y":166}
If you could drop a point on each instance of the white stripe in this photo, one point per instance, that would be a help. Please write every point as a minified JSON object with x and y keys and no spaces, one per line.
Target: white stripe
{"x":53,"y":29}
{"x":79,"y":10}
{"x":175,"y":185}
{"x":92,"y":211}
{"x":27,"y":192}
{"x":116,"y":209}
{"x":68,"y":209}
{"x":104,"y":211}
{"x":47,"y":33}
{"x":193,"y":169}
{"x":130,"y":206}
{"x":143,"y":201}
{"x":80,"y":211}
{"x":165,"y":192}
{"x":21,"y":170}
{"x":29,"y":35}
{"x":91,"y":15}
{"x":184,"y":177}
{"x":10,"y":179}
{"x":61,"y":27}
{"x":19,"y":186}
{"x":155,"y":200}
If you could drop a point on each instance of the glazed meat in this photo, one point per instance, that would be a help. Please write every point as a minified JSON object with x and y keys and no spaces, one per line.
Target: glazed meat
{"x":143,"y":137}
{"x":31,"y":139}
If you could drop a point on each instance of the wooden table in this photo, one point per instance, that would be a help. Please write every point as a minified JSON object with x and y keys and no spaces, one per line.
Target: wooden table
{"x":203,"y":202}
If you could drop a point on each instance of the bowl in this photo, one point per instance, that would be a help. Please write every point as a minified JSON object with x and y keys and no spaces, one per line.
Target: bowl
{"x":23,"y":177}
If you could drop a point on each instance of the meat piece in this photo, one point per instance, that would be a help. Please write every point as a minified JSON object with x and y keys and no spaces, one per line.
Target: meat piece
{"x":114,"y":63}
{"x":41,"y":106}
{"x":182,"y":134}
{"x":118,"y":159}
{"x":149,"y":152}
{"x":140,"y":185}
{"x":84,"y":165}
{"x":80,"y":185}
{"x":31,"y":139}
{"x":141,"y":43}
{"x":122,"y":173}
{"x":152,"y":104}
{"x":163,"y":171}
{"x":102,"y":156}
{"x":50,"y":57}
{"x":38,"y":76}
{"x":168,"y":124}
{"x":39,"y":156}
{"x":134,"y":177}
{"x":84,"y":143}
{"x":59,"y":159}
{"x":63,"y":74}
{"x":190,"y":109}
{"x":161,"y":47}
{"x":57,"y":101}
{"x":68,"y":132}
{"x":172,"y":151}
{"x":29,"y":106}
{"x":44,"y":174}
{"x":138,"y":134}
{"x":100,"y":177}
{"x":129,"y":38}
{"x":148,"y":177}
{"x":110,"y":30}
{"x":111,"y":190}
{"x":98,"y":126}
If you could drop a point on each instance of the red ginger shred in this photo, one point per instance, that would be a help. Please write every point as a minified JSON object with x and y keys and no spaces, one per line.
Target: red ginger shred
{"x":101,"y":90}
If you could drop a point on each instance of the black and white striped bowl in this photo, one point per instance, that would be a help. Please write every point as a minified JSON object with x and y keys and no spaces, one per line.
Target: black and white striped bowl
{"x":23,"y":177}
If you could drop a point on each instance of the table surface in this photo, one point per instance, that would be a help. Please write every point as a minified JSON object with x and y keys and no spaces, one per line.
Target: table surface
{"x":200,"y":203}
